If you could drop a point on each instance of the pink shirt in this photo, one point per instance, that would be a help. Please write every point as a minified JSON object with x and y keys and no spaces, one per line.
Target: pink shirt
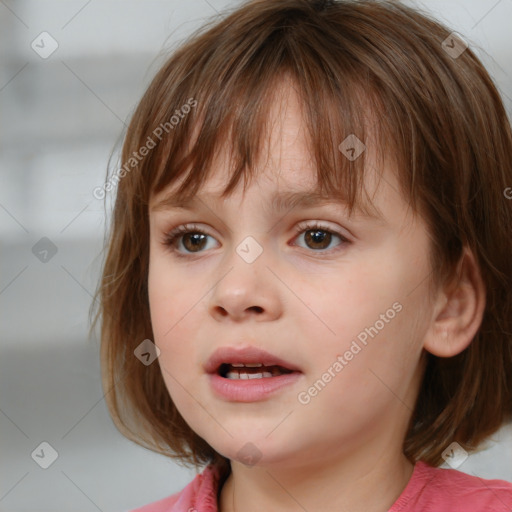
{"x":429,"y":490}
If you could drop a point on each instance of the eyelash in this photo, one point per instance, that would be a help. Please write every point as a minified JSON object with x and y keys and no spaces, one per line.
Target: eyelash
{"x":171,"y":237}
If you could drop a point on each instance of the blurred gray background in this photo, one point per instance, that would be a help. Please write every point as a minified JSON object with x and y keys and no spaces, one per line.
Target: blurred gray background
{"x":61,"y":115}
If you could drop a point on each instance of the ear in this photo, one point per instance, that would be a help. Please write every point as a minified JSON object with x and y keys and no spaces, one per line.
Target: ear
{"x":458,"y":310}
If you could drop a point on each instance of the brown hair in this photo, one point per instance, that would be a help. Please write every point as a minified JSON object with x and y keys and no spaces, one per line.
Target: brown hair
{"x":439,"y":115}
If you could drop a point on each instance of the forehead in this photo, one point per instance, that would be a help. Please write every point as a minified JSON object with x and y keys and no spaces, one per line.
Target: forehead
{"x":285,"y":171}
{"x":278,"y":191}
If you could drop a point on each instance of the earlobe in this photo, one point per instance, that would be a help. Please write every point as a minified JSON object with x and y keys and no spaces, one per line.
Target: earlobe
{"x":458,"y":310}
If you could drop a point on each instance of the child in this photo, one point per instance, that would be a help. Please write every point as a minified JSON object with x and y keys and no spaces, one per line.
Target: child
{"x":325,"y":336}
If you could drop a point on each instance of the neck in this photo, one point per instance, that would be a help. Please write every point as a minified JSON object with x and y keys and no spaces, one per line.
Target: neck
{"x":369,"y":486}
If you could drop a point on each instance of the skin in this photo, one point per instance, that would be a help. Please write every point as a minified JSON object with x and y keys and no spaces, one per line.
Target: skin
{"x":343,"y":450}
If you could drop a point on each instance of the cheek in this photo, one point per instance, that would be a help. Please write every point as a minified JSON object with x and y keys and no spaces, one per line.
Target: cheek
{"x":368,"y":314}
{"x":177,"y":307}
{"x":342,"y":303}
{"x":169,"y":320}
{"x":170,"y":296}
{"x":160,"y":297}
{"x":367,"y":369}
{"x":172,"y":305}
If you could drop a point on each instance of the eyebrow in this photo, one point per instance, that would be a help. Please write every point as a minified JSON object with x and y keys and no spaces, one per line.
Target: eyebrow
{"x":280,"y":202}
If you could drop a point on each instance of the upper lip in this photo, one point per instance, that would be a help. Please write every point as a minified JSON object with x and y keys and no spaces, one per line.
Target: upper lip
{"x":244,"y":355}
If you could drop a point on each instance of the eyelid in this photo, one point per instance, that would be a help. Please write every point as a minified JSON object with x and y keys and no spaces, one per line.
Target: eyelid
{"x":325,"y":225}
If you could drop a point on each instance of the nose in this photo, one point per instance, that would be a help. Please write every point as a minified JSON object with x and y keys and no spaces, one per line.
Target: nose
{"x":246,"y":291}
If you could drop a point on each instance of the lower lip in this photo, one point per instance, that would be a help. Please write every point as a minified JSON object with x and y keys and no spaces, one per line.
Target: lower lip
{"x":251,"y":390}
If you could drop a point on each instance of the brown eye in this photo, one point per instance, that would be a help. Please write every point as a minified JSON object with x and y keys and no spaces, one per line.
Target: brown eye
{"x":194,"y":241}
{"x":186,"y":240}
{"x":318,"y":238}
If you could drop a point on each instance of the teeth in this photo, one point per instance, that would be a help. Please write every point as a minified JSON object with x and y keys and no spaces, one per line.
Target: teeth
{"x":248,"y":365}
{"x":245,"y":376}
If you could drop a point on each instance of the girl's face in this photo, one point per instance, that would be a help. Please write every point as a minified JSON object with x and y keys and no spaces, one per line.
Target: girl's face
{"x":342,"y":299}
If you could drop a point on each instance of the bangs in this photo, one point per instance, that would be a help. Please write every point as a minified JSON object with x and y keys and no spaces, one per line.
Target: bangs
{"x":234,"y":99}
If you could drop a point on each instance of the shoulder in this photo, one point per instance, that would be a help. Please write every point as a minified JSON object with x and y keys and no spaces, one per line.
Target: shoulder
{"x":200,"y":493}
{"x":451,"y":490}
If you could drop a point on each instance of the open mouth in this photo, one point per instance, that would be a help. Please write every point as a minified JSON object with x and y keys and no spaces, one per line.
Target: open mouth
{"x":249,"y":374}
{"x":241,"y":371}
